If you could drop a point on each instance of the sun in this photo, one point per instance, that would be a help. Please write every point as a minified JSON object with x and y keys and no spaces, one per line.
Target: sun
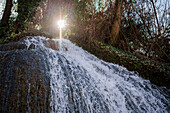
{"x":61,"y":23}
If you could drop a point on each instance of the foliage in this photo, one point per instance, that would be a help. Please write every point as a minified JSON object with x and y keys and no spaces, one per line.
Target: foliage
{"x":142,"y":31}
{"x":6,"y":33}
{"x":143,"y":42}
{"x":23,"y":22}
{"x":26,"y":12}
{"x":157,"y":72}
{"x":13,"y":37}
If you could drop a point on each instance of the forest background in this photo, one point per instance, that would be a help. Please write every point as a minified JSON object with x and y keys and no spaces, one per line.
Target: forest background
{"x":133,"y":33}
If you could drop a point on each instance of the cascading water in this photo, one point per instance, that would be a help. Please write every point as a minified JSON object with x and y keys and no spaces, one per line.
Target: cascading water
{"x":82,"y":83}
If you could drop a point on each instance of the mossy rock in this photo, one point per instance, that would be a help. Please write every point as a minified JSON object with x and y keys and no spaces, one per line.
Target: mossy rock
{"x":24,"y":83}
{"x":16,"y":37}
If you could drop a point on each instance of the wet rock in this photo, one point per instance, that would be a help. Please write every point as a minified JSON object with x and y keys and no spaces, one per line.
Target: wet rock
{"x":24,"y":81}
{"x":52,"y":44}
{"x":32,"y":46}
{"x":12,"y":46}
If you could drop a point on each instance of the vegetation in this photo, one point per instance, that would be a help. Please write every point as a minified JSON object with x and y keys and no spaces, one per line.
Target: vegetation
{"x":138,"y":28}
{"x":155,"y":71}
{"x":23,"y":22}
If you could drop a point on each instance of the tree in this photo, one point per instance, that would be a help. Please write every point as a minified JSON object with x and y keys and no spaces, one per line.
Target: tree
{"x":102,"y":21}
{"x":4,"y":24}
{"x":26,"y":11}
{"x":7,"y":12}
{"x":51,"y":13}
{"x":116,"y":22}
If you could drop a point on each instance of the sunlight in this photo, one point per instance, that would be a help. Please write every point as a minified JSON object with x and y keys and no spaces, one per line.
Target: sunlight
{"x":61,"y":23}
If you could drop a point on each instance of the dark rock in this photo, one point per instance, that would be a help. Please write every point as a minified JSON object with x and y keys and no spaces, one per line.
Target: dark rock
{"x":32,"y":46}
{"x":12,"y":46}
{"x":52,"y":44}
{"x":24,"y":81}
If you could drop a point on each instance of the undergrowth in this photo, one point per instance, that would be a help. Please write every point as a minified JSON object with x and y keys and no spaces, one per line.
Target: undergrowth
{"x":16,"y":37}
{"x":155,"y":71}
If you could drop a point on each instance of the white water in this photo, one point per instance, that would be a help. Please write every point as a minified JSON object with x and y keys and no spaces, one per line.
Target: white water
{"x":82,"y":83}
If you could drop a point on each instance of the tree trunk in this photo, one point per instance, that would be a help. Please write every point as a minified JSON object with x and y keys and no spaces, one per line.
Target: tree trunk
{"x":156,"y":16}
{"x":7,"y":12}
{"x":116,"y":22}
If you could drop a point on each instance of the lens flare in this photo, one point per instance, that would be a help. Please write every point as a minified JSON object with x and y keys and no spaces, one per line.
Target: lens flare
{"x":61,"y":23}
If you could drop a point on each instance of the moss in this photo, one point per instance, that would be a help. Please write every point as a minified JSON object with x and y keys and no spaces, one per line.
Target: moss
{"x":157,"y":72}
{"x":17,"y":37}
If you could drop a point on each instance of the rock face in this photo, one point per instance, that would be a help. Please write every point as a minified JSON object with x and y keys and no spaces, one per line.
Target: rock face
{"x":24,"y":81}
{"x":52,"y":44}
{"x":36,"y":78}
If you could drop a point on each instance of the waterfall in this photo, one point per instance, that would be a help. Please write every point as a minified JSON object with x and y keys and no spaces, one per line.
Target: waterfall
{"x":82,"y":83}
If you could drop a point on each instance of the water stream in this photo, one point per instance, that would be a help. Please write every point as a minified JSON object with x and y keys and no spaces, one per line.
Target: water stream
{"x":82,"y":83}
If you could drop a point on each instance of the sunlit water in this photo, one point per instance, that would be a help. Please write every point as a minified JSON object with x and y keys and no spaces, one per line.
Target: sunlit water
{"x":82,"y":83}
